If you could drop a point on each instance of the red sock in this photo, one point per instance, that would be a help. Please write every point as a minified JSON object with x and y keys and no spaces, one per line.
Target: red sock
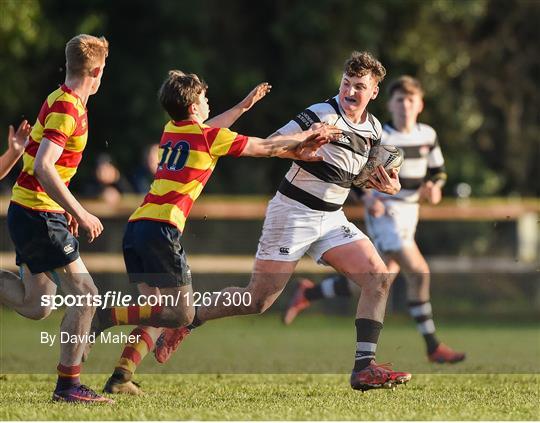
{"x":133,"y":354}
{"x":68,"y":376}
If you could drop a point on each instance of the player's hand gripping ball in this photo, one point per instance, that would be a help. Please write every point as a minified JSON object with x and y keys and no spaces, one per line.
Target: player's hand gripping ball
{"x":389,"y":156}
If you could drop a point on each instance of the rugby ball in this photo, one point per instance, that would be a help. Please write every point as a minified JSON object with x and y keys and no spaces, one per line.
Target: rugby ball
{"x":389,"y":156}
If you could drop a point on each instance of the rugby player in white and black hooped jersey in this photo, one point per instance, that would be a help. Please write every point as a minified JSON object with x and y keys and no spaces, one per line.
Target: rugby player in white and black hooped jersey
{"x":391,"y":219}
{"x":305,"y":216}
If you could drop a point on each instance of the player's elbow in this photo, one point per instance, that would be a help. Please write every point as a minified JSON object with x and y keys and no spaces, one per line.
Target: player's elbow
{"x":41,"y":170}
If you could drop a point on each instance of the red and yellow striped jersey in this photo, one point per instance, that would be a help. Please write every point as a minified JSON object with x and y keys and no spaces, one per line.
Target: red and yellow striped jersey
{"x":63,"y":121}
{"x":188,"y":153}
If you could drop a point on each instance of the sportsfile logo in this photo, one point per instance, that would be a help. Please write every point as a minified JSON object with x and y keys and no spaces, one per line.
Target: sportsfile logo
{"x":110,"y":299}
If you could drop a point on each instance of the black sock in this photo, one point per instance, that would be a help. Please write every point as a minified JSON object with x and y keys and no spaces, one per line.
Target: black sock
{"x":330,"y":287}
{"x":196,"y":321}
{"x":341,"y":287}
{"x":431,"y":342}
{"x":422,"y":314}
{"x":314,"y":294}
{"x":367,"y":336}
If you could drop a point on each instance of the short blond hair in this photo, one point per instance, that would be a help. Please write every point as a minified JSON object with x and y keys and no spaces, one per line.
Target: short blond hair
{"x":407,"y":85}
{"x":362,"y":63}
{"x":84,"y":53}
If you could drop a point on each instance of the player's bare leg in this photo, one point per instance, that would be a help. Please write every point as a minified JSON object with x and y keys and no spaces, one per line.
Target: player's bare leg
{"x":75,"y":280}
{"x":336,"y":285}
{"x":360,"y":262}
{"x":24,"y":296}
{"x":268,"y":279}
{"x":416,"y":271}
{"x":417,"y":275}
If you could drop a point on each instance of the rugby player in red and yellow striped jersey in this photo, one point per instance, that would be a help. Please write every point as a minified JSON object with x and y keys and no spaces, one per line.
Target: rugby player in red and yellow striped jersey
{"x":62,"y":120}
{"x":44,"y":216}
{"x":189,"y":152}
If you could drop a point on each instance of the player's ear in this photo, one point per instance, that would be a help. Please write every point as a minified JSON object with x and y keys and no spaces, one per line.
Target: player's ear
{"x":192,"y":109}
{"x":375,"y":92}
{"x":421,"y":106}
{"x":94,"y":73}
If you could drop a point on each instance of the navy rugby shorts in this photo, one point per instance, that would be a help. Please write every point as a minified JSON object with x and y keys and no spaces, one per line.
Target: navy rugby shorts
{"x":154,"y":255}
{"x":42,"y":239}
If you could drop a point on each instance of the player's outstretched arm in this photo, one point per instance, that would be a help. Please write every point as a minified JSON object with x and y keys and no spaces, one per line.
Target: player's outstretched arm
{"x":47,"y":175}
{"x":16,"y":142}
{"x":302,"y":146}
{"x":226,"y":119}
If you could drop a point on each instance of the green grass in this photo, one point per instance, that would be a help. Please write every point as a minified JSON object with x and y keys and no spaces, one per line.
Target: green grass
{"x":315,"y":343}
{"x":285,"y":397}
{"x":255,"y":369}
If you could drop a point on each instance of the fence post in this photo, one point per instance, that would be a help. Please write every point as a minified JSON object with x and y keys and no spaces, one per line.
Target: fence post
{"x":527,"y":237}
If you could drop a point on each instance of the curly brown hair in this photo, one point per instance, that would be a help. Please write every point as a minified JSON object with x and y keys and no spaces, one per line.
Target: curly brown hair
{"x":362,"y":63}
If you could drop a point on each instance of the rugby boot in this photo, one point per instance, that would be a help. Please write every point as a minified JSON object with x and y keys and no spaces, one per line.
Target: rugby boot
{"x":168,"y":342}
{"x":299,"y":301}
{"x":376,"y":376}
{"x":117,"y":386}
{"x":82,"y":394}
{"x":445,"y":354}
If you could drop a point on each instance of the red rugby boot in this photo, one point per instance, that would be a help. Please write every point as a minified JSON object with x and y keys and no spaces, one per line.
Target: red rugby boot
{"x":445,"y":354}
{"x":376,"y":376}
{"x":299,"y":301}
{"x":168,"y":342}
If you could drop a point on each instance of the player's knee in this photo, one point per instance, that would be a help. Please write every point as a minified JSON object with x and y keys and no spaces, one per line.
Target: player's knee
{"x":84,"y":285}
{"x":378,"y":285}
{"x":260,"y":305}
{"x":38,"y":313}
{"x":188,"y":314}
{"x":179,"y":316}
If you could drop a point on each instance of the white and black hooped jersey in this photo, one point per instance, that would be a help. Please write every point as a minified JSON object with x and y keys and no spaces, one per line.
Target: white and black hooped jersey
{"x":423,"y":158}
{"x":325,"y":185}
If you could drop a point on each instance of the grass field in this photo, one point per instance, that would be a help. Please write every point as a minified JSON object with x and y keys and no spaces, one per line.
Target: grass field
{"x":279,"y":397}
{"x":255,"y":369}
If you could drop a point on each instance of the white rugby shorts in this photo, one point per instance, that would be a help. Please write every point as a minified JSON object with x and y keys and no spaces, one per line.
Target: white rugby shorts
{"x":394,"y":230}
{"x":291,"y":229}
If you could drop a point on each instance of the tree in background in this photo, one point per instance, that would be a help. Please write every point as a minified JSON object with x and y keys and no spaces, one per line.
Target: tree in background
{"x":478,"y":60}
